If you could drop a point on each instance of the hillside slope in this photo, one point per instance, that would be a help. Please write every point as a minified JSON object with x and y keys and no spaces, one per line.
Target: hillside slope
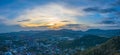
{"x":111,"y":47}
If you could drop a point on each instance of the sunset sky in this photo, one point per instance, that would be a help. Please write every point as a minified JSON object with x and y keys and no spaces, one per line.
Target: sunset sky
{"x":22,"y":15}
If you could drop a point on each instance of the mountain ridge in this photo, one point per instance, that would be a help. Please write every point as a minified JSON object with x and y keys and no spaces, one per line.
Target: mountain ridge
{"x":68,"y":32}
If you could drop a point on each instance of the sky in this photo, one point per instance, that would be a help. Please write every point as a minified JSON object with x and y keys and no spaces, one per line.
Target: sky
{"x":24,"y":15}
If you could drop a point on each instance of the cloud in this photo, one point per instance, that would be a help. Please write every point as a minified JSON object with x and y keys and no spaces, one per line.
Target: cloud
{"x":50,"y":15}
{"x":111,"y":12}
{"x":91,"y":9}
{"x":108,"y":22}
{"x":24,"y":20}
{"x":76,"y":26}
{"x":3,"y":20}
{"x":65,"y":21}
{"x":111,"y":8}
{"x":116,"y":3}
{"x":100,"y":10}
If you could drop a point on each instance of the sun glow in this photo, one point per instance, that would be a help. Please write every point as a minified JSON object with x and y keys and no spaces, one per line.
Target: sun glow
{"x":51,"y":16}
{"x":51,"y":25}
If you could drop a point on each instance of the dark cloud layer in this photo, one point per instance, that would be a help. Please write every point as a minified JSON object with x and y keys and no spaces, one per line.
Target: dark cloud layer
{"x":107,"y":22}
{"x":110,"y":21}
{"x":117,"y":3}
{"x":24,"y":20}
{"x":99,"y":10}
{"x":65,"y":21}
{"x":76,"y":26}
{"x":112,"y":10}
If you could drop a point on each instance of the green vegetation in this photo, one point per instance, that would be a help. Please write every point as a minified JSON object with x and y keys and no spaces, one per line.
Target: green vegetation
{"x":111,"y":47}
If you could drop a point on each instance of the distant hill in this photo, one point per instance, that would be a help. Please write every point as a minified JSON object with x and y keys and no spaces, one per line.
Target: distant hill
{"x":111,"y":47}
{"x":64,"y":33}
{"x":85,"y":42}
{"x":106,"y":33}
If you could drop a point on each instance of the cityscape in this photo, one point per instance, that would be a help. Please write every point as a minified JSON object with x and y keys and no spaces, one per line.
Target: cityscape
{"x":59,"y":27}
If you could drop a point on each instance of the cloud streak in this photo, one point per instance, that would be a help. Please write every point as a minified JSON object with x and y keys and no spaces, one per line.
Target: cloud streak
{"x":99,"y":10}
